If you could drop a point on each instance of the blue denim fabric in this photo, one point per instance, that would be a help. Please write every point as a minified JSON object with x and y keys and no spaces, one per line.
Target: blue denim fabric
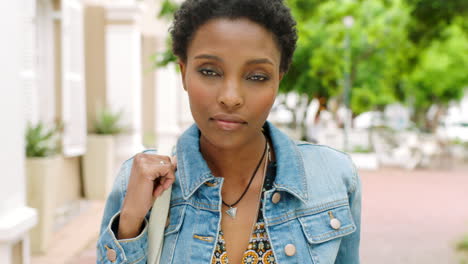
{"x":316,"y":184}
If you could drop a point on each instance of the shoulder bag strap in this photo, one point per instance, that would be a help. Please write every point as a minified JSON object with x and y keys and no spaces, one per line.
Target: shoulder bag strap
{"x":157,"y":224}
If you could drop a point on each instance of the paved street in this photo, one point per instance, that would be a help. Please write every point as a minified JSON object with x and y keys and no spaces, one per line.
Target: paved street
{"x":409,"y":217}
{"x":413,"y":217}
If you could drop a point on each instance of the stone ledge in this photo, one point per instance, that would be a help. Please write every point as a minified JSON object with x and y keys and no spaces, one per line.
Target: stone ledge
{"x":16,"y":223}
{"x":73,"y":237}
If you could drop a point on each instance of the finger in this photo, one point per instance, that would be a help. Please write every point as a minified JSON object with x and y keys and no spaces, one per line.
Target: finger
{"x":164,"y":161}
{"x":157,"y":169}
{"x":168,"y":181}
{"x":158,"y":191}
{"x":174,"y":161}
{"x":163,"y":174}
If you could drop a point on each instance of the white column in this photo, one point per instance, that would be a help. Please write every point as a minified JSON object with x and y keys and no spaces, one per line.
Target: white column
{"x":15,"y":218}
{"x":45,"y":53}
{"x":72,"y":86}
{"x":123,"y":70}
{"x":171,"y":108}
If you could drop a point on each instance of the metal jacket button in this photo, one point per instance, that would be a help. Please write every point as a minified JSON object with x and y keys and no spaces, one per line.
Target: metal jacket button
{"x":276,"y":197}
{"x":290,"y":250}
{"x":335,"y":223}
{"x":111,"y":254}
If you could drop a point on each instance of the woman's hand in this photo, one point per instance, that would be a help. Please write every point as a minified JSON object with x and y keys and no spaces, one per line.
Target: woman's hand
{"x":151,"y":175}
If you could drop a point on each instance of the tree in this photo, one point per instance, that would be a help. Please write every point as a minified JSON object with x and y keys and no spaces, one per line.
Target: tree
{"x":430,"y":18}
{"x":438,"y":31}
{"x":379,"y":45}
{"x":401,"y":50}
{"x":439,"y":76}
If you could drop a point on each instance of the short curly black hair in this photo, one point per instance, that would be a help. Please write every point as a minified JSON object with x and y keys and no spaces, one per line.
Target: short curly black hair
{"x":272,"y":14}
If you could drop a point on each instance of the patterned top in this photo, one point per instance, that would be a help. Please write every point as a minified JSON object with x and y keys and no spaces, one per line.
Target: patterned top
{"x":259,"y":250}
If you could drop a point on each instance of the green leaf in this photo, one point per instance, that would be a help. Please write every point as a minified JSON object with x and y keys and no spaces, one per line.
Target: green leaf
{"x":41,"y":142}
{"x":108,"y":122}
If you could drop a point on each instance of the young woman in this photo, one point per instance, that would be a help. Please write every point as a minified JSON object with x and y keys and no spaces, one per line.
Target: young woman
{"x":242,"y":191}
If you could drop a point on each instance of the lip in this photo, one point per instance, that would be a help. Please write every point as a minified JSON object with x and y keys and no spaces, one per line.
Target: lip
{"x":228,"y":122}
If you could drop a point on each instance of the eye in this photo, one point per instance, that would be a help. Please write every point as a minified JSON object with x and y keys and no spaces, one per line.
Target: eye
{"x":258,"y":78}
{"x":208,"y":72}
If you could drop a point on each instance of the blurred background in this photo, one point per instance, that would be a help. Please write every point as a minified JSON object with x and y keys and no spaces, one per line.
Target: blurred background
{"x":86,"y":84}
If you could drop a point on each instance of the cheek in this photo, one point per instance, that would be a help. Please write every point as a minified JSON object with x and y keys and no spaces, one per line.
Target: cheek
{"x":265,"y":100}
{"x":198,"y":93}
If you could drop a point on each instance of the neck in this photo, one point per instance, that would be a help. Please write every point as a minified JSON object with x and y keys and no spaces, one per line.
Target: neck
{"x":234,"y":164}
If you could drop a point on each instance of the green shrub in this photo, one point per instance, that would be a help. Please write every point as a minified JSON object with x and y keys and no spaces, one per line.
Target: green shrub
{"x":463,"y":244}
{"x":108,"y":122}
{"x":42,"y":142}
{"x":459,"y":142}
{"x":462,"y":250}
{"x":361,"y":149}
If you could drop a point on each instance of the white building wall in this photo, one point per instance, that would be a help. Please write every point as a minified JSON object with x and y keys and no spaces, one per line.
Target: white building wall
{"x":28,"y":57}
{"x":15,"y":218}
{"x":172,"y":109}
{"x":123,"y":73}
{"x":73,"y":97}
{"x":45,"y":62}
{"x":169,"y":108}
{"x":11,"y":110}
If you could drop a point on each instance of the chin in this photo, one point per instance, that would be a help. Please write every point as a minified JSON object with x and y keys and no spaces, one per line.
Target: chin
{"x":223,"y":139}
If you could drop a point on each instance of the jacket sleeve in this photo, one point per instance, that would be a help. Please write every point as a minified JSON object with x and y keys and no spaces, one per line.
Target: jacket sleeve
{"x":349,"y":248}
{"x":109,"y":248}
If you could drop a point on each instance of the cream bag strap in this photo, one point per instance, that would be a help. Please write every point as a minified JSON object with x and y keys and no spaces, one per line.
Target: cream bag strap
{"x":157,"y":224}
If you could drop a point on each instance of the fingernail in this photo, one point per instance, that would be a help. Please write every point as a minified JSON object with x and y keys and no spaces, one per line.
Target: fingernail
{"x":174,"y":160}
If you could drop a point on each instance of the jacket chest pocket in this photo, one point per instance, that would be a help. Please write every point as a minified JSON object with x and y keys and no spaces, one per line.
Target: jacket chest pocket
{"x":324,"y":232}
{"x":312,"y":238}
{"x":327,"y":225}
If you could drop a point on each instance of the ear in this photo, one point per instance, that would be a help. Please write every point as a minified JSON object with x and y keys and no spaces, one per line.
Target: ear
{"x":281,"y":75}
{"x":183,"y":69}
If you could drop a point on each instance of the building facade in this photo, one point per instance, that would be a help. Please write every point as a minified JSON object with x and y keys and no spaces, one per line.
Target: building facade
{"x":63,"y":60}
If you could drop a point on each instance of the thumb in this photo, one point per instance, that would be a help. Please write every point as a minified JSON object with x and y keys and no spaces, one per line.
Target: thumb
{"x":174,"y":161}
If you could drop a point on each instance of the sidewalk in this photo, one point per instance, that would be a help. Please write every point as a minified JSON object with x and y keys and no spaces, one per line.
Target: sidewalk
{"x":408,"y":217}
{"x":87,"y":256}
{"x":413,"y":217}
{"x":71,"y":241}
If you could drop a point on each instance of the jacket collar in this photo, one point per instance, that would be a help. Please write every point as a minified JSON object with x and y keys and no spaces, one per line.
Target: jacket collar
{"x":193,"y":170}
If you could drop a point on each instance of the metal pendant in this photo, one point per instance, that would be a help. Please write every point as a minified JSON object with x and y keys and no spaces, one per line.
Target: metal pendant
{"x":232,"y":212}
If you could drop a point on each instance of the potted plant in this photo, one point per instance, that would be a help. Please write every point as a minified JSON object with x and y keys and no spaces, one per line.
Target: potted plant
{"x":43,"y":165}
{"x":364,"y":158}
{"x":98,"y":161}
{"x":462,"y":250}
{"x":459,"y":149}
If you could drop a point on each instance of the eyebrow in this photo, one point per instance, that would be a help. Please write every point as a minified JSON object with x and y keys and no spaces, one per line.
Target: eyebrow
{"x":260,"y":61}
{"x":250,"y":62}
{"x":210,"y":57}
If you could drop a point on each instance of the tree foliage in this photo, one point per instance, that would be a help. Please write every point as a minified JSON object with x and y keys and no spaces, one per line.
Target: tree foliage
{"x":378,"y":47}
{"x":431,"y":17}
{"x":412,"y":51}
{"x":440,"y":74}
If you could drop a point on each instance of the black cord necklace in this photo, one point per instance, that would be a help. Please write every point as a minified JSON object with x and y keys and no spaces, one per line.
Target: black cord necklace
{"x":232,"y":211}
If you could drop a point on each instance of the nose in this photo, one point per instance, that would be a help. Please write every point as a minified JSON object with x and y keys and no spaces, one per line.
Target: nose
{"x":230,"y":95}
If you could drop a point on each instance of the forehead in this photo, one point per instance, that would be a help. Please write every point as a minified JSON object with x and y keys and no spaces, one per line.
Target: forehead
{"x":234,"y":37}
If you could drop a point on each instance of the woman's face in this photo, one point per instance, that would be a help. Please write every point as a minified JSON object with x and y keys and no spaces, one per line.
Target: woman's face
{"x":232,"y":76}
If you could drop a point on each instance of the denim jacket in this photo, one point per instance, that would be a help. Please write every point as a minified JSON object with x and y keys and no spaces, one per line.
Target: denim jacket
{"x":317,"y":218}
